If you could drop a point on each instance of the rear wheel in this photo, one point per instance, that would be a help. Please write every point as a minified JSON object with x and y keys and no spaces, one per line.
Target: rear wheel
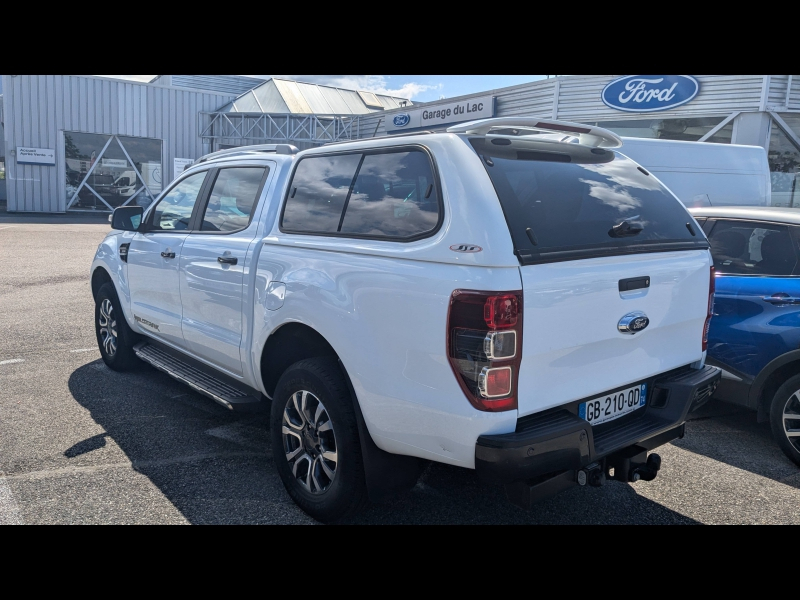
{"x":114,"y":337}
{"x":315,"y":441}
{"x":784,"y":418}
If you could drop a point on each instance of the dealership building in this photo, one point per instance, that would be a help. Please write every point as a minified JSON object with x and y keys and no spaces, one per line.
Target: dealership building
{"x":88,"y":143}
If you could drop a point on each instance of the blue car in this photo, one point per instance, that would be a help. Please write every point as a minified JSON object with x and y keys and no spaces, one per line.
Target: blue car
{"x":755,"y":331}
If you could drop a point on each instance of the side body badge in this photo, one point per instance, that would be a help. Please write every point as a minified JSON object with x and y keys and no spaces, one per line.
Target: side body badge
{"x":465,"y":248}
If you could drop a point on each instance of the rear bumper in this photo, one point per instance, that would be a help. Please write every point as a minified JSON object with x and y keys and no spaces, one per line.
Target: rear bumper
{"x":560,"y":443}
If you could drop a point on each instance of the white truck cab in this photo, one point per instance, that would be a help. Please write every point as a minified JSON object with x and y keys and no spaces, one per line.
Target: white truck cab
{"x":513,"y":296}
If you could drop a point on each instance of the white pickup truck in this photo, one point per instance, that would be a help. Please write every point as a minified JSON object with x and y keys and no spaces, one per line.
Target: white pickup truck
{"x":511,"y":296}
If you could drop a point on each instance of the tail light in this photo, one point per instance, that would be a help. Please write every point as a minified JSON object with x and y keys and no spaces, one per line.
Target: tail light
{"x":484,"y":345}
{"x":711,"y":289}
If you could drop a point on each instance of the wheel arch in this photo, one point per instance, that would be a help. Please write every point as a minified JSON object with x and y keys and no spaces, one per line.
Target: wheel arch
{"x":770,"y":379}
{"x":100,"y":276}
{"x":387,"y":474}
{"x":290,"y":343}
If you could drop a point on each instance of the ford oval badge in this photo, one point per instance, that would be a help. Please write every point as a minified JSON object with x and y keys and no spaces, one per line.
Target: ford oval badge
{"x":401,"y":120}
{"x":649,"y":93}
{"x":633,"y":322}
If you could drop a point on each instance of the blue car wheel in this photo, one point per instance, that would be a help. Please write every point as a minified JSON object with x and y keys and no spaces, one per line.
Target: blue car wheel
{"x":785,"y":418}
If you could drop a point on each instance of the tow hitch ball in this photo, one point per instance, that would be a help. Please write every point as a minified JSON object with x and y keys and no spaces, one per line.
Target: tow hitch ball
{"x":631,"y":464}
{"x":648,"y":471}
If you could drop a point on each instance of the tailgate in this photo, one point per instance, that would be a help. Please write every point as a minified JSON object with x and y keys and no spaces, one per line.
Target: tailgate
{"x":572,"y":348}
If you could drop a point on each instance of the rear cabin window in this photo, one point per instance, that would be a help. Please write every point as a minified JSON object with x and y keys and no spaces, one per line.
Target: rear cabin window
{"x":557,"y":209}
{"x":384,"y":195}
{"x":752,"y":248}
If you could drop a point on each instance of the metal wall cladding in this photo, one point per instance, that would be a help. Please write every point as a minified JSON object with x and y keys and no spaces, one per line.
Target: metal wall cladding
{"x":794,"y":94}
{"x":41,"y":107}
{"x":577,"y":98}
{"x":777,"y":91}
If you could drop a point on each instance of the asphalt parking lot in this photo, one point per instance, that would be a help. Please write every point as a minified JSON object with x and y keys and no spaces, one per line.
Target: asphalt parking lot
{"x":80,"y":443}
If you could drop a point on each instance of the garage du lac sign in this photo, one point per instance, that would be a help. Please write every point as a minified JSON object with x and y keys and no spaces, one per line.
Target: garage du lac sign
{"x":441,"y":115}
{"x":649,"y":93}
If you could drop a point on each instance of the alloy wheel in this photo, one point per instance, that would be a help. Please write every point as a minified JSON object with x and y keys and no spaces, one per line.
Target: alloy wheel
{"x":108,"y":327}
{"x":309,"y":442}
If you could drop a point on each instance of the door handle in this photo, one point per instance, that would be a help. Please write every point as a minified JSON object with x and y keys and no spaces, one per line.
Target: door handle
{"x":781,"y":298}
{"x":228,"y":260}
{"x":168,"y":254}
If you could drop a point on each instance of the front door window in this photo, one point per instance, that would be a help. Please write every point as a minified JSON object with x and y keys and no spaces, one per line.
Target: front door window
{"x":174,"y":211}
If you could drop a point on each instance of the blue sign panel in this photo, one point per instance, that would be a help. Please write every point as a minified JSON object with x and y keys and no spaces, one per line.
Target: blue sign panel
{"x":649,"y":93}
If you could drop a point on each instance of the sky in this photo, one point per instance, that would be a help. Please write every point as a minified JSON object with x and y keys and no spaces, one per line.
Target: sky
{"x":420,"y":88}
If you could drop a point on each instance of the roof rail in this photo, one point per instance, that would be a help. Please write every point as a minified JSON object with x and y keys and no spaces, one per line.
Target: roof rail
{"x":379,"y":137}
{"x":595,"y":137}
{"x":256,"y":149}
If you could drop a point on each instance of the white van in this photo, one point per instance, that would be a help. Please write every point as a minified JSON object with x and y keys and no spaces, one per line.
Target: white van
{"x":702,"y":174}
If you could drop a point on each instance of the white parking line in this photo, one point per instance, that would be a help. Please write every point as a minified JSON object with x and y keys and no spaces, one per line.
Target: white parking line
{"x":9,"y":511}
{"x":8,"y":227}
{"x":84,"y":350}
{"x":11,"y":361}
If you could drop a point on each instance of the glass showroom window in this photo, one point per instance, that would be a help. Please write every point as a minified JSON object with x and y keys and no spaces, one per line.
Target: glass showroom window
{"x":784,"y":163}
{"x":690,"y":130}
{"x":107,"y":171}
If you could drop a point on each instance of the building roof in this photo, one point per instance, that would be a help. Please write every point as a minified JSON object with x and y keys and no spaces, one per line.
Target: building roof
{"x":295,"y":97}
{"x":226,"y":84}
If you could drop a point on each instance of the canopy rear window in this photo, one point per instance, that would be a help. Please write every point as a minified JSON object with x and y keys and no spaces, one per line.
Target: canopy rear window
{"x":563,"y":205}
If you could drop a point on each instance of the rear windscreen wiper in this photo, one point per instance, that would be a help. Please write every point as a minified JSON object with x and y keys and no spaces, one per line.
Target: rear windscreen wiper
{"x":624,"y":229}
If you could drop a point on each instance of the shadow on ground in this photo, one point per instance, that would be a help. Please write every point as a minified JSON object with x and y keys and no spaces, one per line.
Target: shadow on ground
{"x":216,"y":466}
{"x":731,"y":434}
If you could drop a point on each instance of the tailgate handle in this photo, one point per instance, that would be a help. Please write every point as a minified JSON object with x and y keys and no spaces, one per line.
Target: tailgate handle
{"x":633,"y":283}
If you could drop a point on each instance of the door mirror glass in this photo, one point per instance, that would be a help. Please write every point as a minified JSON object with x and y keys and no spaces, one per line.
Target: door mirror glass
{"x":127,"y":218}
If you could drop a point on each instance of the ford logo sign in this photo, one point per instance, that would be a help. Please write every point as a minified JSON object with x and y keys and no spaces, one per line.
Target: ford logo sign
{"x":401,"y":120}
{"x":633,"y":322}
{"x":649,"y":93}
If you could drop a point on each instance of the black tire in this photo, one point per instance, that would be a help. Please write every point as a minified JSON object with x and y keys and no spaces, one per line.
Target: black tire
{"x":787,"y":401}
{"x":326,"y":499}
{"x":118,"y":355}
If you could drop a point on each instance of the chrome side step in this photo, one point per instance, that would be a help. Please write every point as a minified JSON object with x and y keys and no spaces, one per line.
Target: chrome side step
{"x":215,"y":388}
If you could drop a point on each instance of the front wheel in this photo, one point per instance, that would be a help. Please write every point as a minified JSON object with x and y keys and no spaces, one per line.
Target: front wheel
{"x":114,"y":337}
{"x":315,"y":440}
{"x":784,"y":416}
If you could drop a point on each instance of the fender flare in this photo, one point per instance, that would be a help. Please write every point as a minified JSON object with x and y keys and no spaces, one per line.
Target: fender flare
{"x":757,"y":386}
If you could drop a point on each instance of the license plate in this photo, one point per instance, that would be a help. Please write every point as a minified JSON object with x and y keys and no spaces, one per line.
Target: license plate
{"x":612,"y":406}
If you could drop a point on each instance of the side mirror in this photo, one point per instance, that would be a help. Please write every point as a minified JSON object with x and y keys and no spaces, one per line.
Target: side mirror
{"x":127,"y":218}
